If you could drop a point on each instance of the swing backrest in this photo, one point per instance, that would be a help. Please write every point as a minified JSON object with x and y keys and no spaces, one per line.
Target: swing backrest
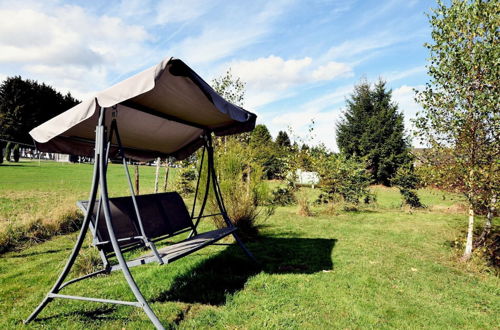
{"x":163,"y":215}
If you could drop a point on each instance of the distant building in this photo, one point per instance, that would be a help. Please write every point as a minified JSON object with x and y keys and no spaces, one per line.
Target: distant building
{"x":306,"y":178}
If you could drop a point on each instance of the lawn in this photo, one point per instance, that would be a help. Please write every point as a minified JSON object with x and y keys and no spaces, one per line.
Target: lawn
{"x":37,"y":197}
{"x":378,"y":267}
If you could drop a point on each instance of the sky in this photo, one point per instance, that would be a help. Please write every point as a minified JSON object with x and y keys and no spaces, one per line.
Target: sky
{"x":300,"y":60}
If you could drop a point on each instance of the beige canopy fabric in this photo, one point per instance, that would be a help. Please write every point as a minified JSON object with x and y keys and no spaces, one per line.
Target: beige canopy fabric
{"x":162,"y":111}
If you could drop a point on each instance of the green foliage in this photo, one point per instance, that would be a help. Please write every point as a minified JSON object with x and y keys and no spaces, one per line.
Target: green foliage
{"x":372,"y":128}
{"x":185,"y":180}
{"x":282,"y":140}
{"x":343,"y":178}
{"x":230,"y":88}
{"x":242,"y":187}
{"x":260,"y":136}
{"x":265,"y":152}
{"x":283,"y":196}
{"x":408,"y":181}
{"x":25,"y":104}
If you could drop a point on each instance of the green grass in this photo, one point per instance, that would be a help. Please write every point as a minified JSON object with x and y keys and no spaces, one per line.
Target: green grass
{"x":37,"y":197}
{"x":377,"y":267}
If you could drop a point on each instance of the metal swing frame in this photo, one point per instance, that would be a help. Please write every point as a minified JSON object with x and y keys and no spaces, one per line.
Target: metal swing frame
{"x":103,"y":144}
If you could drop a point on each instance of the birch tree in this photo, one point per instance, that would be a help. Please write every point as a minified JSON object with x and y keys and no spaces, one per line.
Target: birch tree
{"x":461,"y":102}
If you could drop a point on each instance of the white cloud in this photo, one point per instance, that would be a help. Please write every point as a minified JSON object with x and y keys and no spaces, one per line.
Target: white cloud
{"x":325,"y":111}
{"x":404,"y":96}
{"x":332,"y":70}
{"x":68,"y":47}
{"x":271,"y":78}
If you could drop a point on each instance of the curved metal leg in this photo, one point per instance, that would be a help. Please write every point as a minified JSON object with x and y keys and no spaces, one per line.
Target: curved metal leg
{"x":116,"y":248}
{"x":76,"y":248}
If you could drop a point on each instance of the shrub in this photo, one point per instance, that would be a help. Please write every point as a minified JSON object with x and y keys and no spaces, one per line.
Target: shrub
{"x":407,"y":181}
{"x":283,"y":196}
{"x":185,"y":180}
{"x":342,"y":179}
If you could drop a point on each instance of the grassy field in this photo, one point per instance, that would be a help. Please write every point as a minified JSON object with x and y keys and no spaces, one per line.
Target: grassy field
{"x":378,"y":267}
{"x":38,"y":199}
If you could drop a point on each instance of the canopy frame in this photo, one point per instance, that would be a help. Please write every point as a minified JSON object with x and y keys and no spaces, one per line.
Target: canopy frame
{"x":103,"y":144}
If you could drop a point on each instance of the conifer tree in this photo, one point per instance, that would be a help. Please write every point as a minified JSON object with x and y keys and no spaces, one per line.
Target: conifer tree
{"x":372,"y":128}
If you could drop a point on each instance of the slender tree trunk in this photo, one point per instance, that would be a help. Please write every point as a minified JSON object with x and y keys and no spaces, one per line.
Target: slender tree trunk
{"x":470,"y":230}
{"x":136,"y":174}
{"x":165,"y":180}
{"x":158,"y":161}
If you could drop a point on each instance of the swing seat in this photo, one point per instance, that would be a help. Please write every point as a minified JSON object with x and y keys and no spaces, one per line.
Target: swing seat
{"x":163,"y":215}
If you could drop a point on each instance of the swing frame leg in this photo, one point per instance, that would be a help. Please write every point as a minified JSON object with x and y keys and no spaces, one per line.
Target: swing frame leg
{"x":99,"y":180}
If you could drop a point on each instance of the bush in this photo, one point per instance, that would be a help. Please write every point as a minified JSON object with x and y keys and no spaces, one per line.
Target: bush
{"x":407,"y":181}
{"x":342,"y":179}
{"x":283,"y":196}
{"x":185,"y":180}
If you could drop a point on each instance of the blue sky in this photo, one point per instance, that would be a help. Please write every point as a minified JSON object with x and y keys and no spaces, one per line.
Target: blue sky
{"x":299,"y":59}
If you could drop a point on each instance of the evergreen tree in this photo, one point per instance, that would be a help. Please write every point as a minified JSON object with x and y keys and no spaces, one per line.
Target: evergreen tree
{"x":372,"y":128}
{"x":260,"y":136}
{"x":25,"y":104}
{"x":282,"y":140}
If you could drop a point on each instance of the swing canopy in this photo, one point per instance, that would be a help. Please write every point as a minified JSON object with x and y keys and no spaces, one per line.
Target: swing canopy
{"x":162,"y":111}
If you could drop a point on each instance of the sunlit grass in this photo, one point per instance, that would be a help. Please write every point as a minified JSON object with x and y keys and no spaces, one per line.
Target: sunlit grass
{"x":381,"y":266}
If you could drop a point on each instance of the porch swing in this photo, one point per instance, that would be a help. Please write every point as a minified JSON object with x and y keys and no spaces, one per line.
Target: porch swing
{"x":167,"y":110}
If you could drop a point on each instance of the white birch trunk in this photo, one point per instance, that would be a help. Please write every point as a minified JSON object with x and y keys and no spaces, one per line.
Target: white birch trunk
{"x":470,"y":230}
{"x":158,"y":161}
{"x":165,"y":180}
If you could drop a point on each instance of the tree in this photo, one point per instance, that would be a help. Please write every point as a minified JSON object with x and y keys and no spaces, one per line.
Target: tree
{"x":260,"y":136}
{"x":461,"y":113}
{"x":233,"y":90}
{"x":372,"y":128}
{"x":342,"y":179}
{"x":265,"y":152}
{"x":25,"y":104}
{"x":230,"y":88}
{"x":282,"y":140}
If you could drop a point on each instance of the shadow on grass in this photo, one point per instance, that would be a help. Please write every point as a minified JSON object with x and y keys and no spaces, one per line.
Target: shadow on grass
{"x":31,"y":254}
{"x":227,"y":272}
{"x":101,"y":313}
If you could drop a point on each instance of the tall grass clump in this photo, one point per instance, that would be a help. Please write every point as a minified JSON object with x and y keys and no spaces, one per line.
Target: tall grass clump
{"x":37,"y":228}
{"x":304,"y":204}
{"x":243,"y":189}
